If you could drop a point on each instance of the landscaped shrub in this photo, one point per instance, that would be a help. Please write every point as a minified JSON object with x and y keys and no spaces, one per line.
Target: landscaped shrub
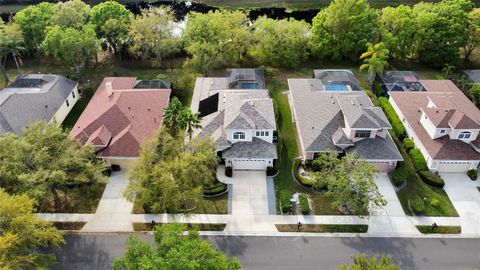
{"x":228,"y":171}
{"x":270,"y":171}
{"x":400,"y":174}
{"x":392,"y":116}
{"x":418,"y":160}
{"x":304,"y":207}
{"x":303,"y":180}
{"x":435,"y":203}
{"x":408,"y":144}
{"x":473,"y":174}
{"x":418,"y":205}
{"x":377,"y":89}
{"x":284,"y":199}
{"x":431,"y":179}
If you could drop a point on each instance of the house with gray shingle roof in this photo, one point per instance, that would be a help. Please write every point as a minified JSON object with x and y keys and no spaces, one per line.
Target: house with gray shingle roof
{"x":241,"y":121}
{"x":343,"y":121}
{"x":36,"y":97}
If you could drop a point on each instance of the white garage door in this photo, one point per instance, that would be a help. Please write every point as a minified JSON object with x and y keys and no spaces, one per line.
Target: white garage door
{"x":249,"y":164}
{"x":453,"y":166}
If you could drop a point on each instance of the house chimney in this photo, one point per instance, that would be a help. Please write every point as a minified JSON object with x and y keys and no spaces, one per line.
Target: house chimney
{"x":108,"y":88}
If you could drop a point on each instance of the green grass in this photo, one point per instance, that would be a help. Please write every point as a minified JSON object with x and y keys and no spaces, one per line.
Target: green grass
{"x":440,"y":229}
{"x":82,"y":199}
{"x":216,"y":205}
{"x":190,"y":226}
{"x":69,"y":226}
{"x":320,"y":228}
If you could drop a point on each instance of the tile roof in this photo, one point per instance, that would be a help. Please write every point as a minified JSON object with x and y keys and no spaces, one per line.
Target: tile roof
{"x":129,"y":116}
{"x":321,"y":115}
{"x":462,"y":113}
{"x":32,"y":98}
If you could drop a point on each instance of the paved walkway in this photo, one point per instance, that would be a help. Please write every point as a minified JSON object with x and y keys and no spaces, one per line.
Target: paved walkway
{"x":113,"y":211}
{"x":391,"y":218}
{"x":466,"y":198}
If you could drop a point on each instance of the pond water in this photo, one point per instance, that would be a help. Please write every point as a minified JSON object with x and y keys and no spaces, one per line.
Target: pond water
{"x":182,"y":8}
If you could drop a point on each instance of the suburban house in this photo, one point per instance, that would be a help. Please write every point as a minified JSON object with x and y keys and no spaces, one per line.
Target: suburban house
{"x":394,"y":80}
{"x":36,"y":97}
{"x":337,"y":79}
{"x":121,"y":115}
{"x":237,"y":113}
{"x":443,"y":123}
{"x":343,"y":121}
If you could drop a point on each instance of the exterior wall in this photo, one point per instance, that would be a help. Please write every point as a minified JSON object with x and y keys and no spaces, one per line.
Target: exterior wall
{"x":309,"y":155}
{"x":248,"y":135}
{"x":256,"y":164}
{"x":268,"y":138}
{"x":429,"y":126}
{"x":305,"y":155}
{"x":454,"y":166}
{"x":454,"y":134}
{"x":63,"y":111}
{"x":351,"y":134}
{"x":125,"y":163}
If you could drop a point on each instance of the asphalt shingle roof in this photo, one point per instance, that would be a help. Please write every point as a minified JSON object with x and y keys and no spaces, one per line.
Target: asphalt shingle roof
{"x":257,"y":148}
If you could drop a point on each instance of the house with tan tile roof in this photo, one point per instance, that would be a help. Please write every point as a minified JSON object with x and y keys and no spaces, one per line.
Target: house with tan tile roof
{"x":443,"y":123}
{"x":121,"y":115}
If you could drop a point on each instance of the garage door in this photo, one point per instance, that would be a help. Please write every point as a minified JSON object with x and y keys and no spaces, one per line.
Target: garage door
{"x":453,"y":166}
{"x":249,"y":164}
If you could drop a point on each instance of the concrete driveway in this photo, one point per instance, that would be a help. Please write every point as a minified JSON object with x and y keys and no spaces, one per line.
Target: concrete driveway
{"x":466,"y":198}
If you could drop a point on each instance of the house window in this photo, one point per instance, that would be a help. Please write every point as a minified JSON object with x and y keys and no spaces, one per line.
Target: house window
{"x":266,"y":133}
{"x":73,"y":94}
{"x":442,"y":131}
{"x":239,"y":136}
{"x":68,"y":104}
{"x":258,"y":133}
{"x":261,"y":133}
{"x":465,"y":135}
{"x":362,"y":134}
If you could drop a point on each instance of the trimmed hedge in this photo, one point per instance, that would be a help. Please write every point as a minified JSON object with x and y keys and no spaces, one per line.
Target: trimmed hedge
{"x":284,"y":199}
{"x":304,"y":207}
{"x":400,"y":174}
{"x":408,"y":144}
{"x":392,"y":116}
{"x":418,"y":160}
{"x":431,"y":179}
{"x":214,"y":189}
{"x":303,"y":180}
{"x":473,"y":174}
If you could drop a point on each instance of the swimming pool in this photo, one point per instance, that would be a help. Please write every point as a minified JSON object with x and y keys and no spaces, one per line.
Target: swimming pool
{"x":249,"y":85}
{"x":336,"y":87}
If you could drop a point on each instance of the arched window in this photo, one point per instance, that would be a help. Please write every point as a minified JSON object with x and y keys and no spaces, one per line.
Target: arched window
{"x":465,"y":135}
{"x":239,"y":136}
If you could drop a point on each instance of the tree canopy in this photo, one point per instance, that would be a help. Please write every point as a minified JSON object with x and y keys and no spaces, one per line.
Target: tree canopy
{"x":72,"y":13}
{"x":280,"y":42}
{"x":72,"y":46}
{"x":398,"y":29}
{"x":22,"y":234}
{"x":362,"y":262}
{"x":473,"y":33}
{"x":349,"y":181}
{"x":33,"y":20}
{"x":216,"y":39}
{"x":44,"y":162}
{"x":375,"y":60}
{"x":152,"y":35}
{"x":174,"y":251}
{"x":343,"y":29}
{"x":169,"y":176}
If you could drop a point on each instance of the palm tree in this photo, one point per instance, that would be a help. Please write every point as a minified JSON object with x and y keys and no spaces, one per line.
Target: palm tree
{"x":13,"y":45}
{"x":375,"y":60}
{"x":172,"y":116}
{"x":190,"y":121}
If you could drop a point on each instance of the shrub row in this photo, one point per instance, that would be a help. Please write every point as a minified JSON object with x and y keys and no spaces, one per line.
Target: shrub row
{"x":418,"y":160}
{"x":431,"y":179}
{"x":408,"y":144}
{"x":284,"y":199}
{"x":400,"y":173}
{"x":214,"y":189}
{"x":392,"y":116}
{"x":304,"y":207}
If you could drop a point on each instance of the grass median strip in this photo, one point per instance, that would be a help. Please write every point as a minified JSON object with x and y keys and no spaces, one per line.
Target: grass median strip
{"x":190,"y":226}
{"x":425,"y":229}
{"x":69,"y":226}
{"x":322,"y":228}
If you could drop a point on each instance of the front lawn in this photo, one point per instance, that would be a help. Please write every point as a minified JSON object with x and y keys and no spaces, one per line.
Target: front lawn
{"x":215,"y":205}
{"x":83,"y":199}
{"x":69,"y":226}
{"x":440,"y":229}
{"x":190,"y":226}
{"x":321,"y":228}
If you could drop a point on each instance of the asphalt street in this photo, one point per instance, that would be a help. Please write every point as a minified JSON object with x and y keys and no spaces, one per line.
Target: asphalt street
{"x":277,"y":253}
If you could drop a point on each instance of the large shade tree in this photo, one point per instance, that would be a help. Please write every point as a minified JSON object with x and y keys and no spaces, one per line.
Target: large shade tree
{"x":364,"y":262}
{"x":343,"y":29}
{"x":22,"y":234}
{"x":174,"y":251}
{"x":280,"y":42}
{"x":44,"y":163}
{"x":169,"y":176}
{"x":350,"y":182}
{"x":74,"y":47}
{"x":215,"y":39}
{"x":72,"y":13}
{"x":112,"y":21}
{"x":398,"y":29}
{"x":33,"y":20}
{"x":473,"y":33}
{"x":152,"y":35}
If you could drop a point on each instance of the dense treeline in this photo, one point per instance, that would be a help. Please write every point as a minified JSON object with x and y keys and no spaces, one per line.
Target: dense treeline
{"x":72,"y":32}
